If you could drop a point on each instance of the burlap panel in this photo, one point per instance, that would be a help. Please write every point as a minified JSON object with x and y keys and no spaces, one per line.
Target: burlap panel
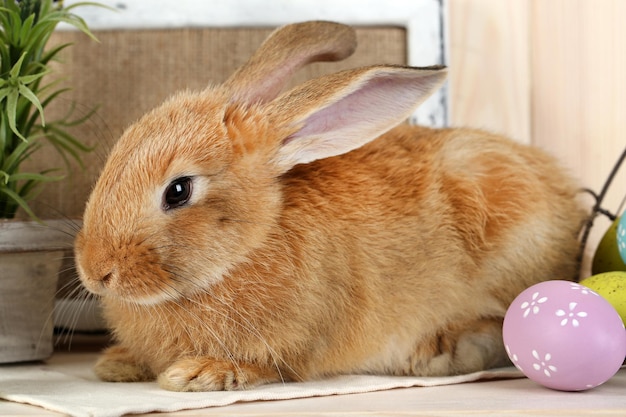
{"x":129,"y":72}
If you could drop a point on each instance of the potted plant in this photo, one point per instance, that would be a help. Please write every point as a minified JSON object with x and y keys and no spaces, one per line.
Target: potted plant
{"x":31,"y":251}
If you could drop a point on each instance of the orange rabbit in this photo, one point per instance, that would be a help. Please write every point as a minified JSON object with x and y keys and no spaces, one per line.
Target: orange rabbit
{"x":240,"y":236}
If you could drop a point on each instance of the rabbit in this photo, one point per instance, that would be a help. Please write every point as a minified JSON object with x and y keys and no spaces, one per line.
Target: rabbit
{"x":243,"y":235}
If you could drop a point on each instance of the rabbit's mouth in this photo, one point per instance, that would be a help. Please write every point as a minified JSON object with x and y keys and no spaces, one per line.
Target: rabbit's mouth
{"x":147,"y":286}
{"x":131,"y":273}
{"x":134,"y":286}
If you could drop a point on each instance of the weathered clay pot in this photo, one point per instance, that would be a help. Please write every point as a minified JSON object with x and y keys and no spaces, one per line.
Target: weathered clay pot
{"x":30,"y":259}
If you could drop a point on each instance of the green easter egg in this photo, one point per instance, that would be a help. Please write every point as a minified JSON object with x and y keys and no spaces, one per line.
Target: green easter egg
{"x":611,"y":286}
{"x":607,"y":257}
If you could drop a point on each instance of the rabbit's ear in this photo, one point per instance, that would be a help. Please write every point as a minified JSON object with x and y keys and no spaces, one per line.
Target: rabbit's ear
{"x":337,"y":113}
{"x":288,"y":48}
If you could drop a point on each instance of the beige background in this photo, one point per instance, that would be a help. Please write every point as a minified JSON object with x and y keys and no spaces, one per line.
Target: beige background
{"x":547,"y":72}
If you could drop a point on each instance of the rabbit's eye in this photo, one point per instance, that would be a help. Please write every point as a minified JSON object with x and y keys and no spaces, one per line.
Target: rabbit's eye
{"x":177,"y":194}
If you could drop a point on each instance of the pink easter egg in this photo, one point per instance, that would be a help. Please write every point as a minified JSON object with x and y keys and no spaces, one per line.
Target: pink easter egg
{"x":564,"y":336}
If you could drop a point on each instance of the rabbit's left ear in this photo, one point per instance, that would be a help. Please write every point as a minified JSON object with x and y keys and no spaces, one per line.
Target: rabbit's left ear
{"x":288,"y":48}
{"x":335,"y":114}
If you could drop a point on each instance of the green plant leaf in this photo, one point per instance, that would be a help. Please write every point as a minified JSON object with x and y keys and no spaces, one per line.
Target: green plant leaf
{"x":4,"y":92}
{"x":71,"y":19}
{"x":54,"y":94}
{"x":28,"y":79}
{"x":22,"y":151}
{"x":66,"y":144}
{"x":20,"y":201}
{"x":30,"y":189}
{"x":4,"y":56}
{"x":16,"y":87}
{"x":30,"y":96}
{"x":28,"y":126}
{"x":93,"y":4}
{"x":17,"y":67}
{"x":6,"y":14}
{"x":27,"y":176}
{"x":11,"y":22}
{"x":79,"y":23}
{"x":27,"y":25}
{"x":46,"y":57}
{"x":80,"y":120}
{"x":25,"y":28}
{"x":39,"y":36}
{"x":12,"y":97}
{"x":90,"y":3}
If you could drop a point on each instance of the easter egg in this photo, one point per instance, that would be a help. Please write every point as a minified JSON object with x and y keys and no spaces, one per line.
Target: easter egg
{"x":607,"y":257}
{"x":611,"y":286}
{"x":564,"y":336}
{"x":621,"y":238}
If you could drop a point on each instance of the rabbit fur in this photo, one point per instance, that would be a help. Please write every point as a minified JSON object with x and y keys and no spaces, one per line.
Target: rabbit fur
{"x":240,"y":235}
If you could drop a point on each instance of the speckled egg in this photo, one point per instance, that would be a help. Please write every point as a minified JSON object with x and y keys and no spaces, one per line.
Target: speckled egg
{"x":564,"y":336}
{"x":611,"y":286}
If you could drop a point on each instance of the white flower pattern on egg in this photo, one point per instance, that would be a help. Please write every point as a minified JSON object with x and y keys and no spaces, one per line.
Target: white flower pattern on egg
{"x":533,"y":304}
{"x":542,"y":365}
{"x":583,"y":290}
{"x":571,"y":316}
{"x":514,"y":358}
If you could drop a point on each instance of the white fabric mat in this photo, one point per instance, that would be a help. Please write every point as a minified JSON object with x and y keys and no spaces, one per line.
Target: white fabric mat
{"x":69,"y":386}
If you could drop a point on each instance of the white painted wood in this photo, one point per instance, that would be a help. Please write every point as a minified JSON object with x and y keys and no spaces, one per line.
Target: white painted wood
{"x":422,"y":19}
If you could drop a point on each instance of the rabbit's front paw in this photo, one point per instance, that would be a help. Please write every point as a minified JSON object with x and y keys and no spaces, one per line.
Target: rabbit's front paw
{"x":206,"y":374}
{"x":117,"y":365}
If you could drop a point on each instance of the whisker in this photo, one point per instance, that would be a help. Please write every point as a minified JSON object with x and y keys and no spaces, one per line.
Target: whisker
{"x":184,"y":320}
{"x":249,"y":326}
{"x":75,"y":307}
{"x":244,"y":323}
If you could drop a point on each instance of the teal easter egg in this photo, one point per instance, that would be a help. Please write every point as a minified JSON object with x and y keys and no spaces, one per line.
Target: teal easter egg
{"x":621,"y":238}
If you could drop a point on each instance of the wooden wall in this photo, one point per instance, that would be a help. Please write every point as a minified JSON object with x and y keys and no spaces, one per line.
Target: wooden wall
{"x":547,"y":72}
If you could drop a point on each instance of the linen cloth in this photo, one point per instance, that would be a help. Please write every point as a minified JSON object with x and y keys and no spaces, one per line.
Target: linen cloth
{"x":71,"y":387}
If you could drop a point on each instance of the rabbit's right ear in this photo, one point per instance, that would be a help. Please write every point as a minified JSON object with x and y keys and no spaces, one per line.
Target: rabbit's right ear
{"x":288,"y":48}
{"x":337,"y":113}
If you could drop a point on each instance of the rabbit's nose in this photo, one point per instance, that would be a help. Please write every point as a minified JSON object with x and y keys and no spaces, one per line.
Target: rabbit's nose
{"x":106,"y":278}
{"x":94,"y":265}
{"x":99,"y":281}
